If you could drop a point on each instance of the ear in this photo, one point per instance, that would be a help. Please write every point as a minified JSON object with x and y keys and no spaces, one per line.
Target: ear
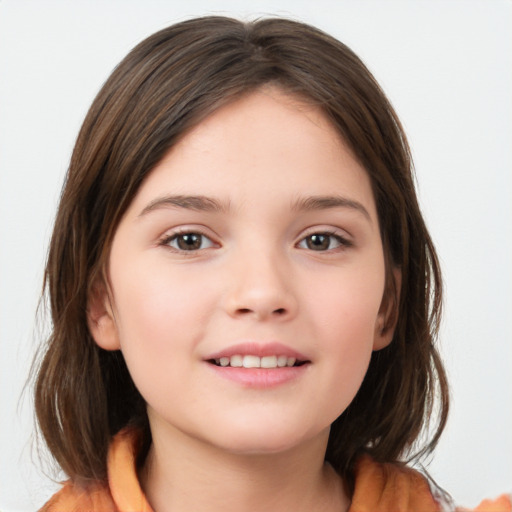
{"x":101,"y":319}
{"x":388,"y":312}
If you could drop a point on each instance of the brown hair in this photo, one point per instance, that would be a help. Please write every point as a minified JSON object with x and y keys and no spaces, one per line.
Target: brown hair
{"x":166,"y":85}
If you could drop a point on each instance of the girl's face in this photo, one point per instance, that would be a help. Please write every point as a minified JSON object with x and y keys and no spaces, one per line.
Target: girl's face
{"x":254,"y":242}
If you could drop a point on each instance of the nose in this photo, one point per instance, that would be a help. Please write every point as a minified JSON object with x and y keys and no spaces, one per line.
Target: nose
{"x":261,"y":287}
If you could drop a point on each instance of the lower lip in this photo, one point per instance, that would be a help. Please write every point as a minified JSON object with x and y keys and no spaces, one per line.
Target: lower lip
{"x":260,"y":378}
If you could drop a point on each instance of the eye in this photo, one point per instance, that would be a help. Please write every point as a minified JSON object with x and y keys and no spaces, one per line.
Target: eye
{"x":323,"y":242}
{"x":189,"y":241}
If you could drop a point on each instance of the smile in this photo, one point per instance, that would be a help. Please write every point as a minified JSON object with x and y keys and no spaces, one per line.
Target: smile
{"x":253,"y":361}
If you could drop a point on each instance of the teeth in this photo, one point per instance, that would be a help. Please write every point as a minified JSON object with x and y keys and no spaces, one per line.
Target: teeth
{"x":250,"y":361}
{"x":269,"y":362}
{"x":281,"y":361}
{"x":236,"y":361}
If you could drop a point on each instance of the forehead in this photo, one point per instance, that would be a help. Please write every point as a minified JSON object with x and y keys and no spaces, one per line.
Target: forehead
{"x":268,"y":143}
{"x":268,"y":118}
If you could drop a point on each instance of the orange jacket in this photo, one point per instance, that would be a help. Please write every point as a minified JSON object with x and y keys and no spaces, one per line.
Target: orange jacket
{"x":379,"y":488}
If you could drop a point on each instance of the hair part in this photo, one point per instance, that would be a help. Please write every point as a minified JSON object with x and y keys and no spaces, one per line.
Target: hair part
{"x":165,"y":86}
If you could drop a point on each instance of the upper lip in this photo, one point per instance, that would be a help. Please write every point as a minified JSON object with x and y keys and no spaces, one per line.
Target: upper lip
{"x":258,"y":349}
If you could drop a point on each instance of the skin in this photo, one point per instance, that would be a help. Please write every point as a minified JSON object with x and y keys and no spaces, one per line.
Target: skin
{"x":256,"y":275}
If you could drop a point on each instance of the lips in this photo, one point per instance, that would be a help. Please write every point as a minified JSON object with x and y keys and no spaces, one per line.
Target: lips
{"x":259,"y":365}
{"x":255,"y":355}
{"x":252,"y":361}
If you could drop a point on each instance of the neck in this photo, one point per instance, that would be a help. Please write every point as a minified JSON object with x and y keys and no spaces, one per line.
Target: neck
{"x":183,"y":474}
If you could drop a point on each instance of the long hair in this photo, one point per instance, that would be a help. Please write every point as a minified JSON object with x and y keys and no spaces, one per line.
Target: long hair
{"x":165,"y":86}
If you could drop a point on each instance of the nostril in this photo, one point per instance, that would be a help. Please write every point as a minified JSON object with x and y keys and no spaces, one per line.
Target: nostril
{"x":261,"y":312}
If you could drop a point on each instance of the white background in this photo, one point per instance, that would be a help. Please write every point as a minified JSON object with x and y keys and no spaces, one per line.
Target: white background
{"x":446,"y":66}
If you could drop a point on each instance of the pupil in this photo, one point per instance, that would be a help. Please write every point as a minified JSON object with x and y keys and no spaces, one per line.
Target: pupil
{"x":318,"y":242}
{"x":189,"y":241}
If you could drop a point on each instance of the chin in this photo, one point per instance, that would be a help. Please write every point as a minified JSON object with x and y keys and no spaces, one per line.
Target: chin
{"x":268,"y":441}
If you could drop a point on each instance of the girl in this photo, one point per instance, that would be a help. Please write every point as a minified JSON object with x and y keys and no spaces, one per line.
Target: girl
{"x":244,"y":294}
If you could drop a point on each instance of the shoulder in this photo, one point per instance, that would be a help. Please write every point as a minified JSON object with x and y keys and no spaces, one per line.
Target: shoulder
{"x":75,"y":498}
{"x":501,"y":504}
{"x":121,"y":491}
{"x":390,"y":487}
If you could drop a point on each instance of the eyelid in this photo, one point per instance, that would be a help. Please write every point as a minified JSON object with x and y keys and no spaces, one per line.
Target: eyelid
{"x":345,"y":239}
{"x":326,"y":230}
{"x":171,"y":234}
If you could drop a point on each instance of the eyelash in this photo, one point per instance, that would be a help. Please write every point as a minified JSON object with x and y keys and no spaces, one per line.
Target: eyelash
{"x":342,"y":243}
{"x":167,"y":240}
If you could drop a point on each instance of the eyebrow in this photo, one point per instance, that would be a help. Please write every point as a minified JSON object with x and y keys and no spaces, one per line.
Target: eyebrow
{"x":312,"y":203}
{"x":209,"y":204}
{"x":197,"y":203}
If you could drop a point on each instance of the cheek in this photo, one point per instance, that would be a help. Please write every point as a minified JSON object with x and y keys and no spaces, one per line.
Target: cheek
{"x":346,"y":313}
{"x":159,"y":313}
{"x":161,"y":320}
{"x":348,"y":305}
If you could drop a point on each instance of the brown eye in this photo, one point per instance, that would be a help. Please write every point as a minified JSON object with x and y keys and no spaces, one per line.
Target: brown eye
{"x":318,"y":242}
{"x":189,"y":242}
{"x":322,"y":242}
